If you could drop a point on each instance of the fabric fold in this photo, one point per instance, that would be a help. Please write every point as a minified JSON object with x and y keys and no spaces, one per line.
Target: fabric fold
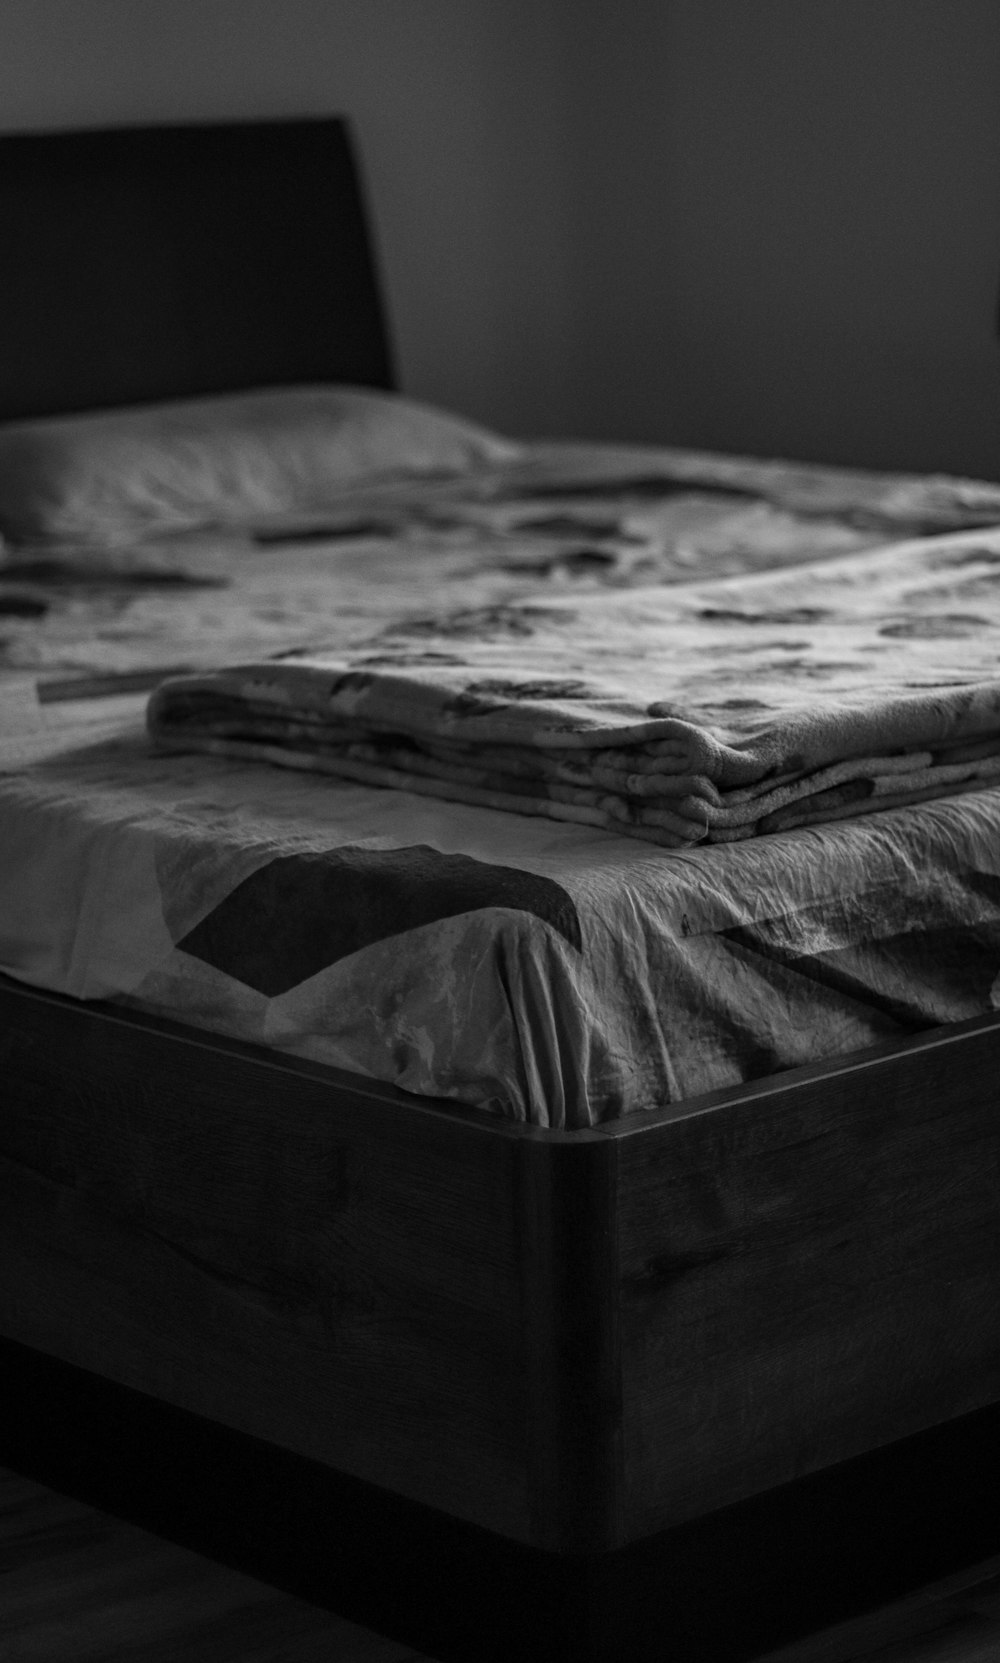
{"x":699,"y":712}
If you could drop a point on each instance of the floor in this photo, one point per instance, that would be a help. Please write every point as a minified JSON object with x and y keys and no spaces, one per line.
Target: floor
{"x":77,"y":1586}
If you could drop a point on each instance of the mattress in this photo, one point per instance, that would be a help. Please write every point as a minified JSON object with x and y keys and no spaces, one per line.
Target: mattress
{"x":553,"y":973}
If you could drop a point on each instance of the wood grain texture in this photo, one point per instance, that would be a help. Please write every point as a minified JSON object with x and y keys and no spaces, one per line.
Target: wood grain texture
{"x":567,"y":1197}
{"x":573,"y":1339}
{"x":324,"y":1270}
{"x":77,"y":1586}
{"x":808,"y":1271}
{"x":955,"y":1621}
{"x":915,"y":1512}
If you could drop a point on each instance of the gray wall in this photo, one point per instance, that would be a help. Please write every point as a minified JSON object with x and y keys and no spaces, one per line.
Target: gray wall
{"x":760,"y":225}
{"x":799,"y":247}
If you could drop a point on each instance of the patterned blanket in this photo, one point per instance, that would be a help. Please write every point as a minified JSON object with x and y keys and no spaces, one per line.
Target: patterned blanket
{"x":520,"y":967}
{"x":706,"y":711}
{"x":567,"y":520}
{"x":517,"y":965}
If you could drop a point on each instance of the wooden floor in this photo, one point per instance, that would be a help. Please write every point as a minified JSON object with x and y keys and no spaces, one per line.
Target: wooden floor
{"x":77,"y":1586}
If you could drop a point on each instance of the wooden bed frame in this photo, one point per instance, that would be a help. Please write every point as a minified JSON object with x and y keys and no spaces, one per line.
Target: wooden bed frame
{"x":750,"y":1341}
{"x":577,"y":1344}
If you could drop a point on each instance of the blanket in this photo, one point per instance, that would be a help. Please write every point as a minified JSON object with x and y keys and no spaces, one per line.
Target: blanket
{"x":565,"y":519}
{"x":520,"y":967}
{"x":704,"y":711}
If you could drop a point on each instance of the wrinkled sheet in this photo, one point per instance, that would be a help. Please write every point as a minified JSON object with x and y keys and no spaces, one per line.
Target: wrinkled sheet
{"x":572,"y":519}
{"x":556,"y":973}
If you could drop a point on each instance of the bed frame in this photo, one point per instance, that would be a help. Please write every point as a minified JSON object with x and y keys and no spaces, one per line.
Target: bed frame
{"x":494,"y":1389}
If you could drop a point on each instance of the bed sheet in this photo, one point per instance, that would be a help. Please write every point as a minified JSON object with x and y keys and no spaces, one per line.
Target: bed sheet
{"x":551,"y":973}
{"x":568,"y":519}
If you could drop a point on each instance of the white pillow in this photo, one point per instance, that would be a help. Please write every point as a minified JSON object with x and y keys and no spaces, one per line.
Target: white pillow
{"x":110,"y":476}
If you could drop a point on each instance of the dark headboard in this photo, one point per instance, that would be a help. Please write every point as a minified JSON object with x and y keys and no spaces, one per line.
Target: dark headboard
{"x":159,"y":262}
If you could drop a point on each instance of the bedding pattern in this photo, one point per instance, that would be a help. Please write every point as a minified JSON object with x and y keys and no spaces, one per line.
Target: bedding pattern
{"x":565,"y":520}
{"x":703,"y":712}
{"x":553,"y":972}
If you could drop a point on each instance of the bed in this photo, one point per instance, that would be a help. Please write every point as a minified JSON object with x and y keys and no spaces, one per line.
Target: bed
{"x":490,"y":1381}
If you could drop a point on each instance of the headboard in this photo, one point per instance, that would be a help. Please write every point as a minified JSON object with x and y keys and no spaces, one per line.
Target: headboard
{"x":143,"y":263}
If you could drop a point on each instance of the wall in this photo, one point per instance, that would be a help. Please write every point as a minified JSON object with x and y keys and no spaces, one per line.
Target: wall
{"x":760,"y":225}
{"x":459,"y":110}
{"x":798,"y":245}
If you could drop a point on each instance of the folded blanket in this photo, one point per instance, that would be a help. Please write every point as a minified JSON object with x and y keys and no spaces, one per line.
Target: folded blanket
{"x":700,"y":712}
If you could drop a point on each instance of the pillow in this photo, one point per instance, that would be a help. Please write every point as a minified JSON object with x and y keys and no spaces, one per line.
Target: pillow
{"x":110,"y":476}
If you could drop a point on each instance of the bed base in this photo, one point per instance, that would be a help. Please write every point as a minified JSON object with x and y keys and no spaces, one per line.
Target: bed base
{"x":722,"y":1589}
{"x":573,"y":1342}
